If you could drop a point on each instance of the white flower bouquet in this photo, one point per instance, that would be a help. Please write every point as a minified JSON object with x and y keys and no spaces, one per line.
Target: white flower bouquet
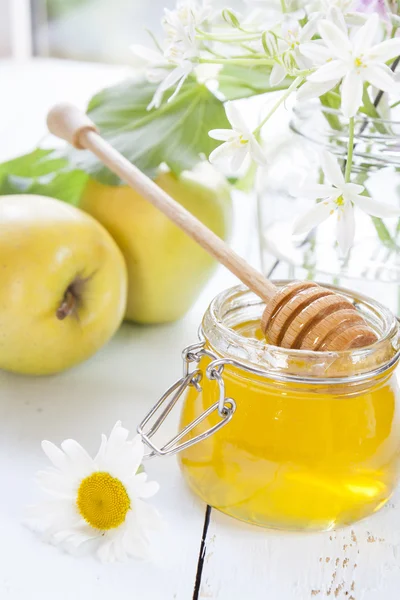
{"x":343,"y":52}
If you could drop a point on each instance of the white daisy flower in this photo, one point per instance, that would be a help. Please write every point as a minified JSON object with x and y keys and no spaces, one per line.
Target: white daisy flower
{"x":97,"y":502}
{"x":352,"y":61}
{"x":338,"y":197}
{"x":239,"y":141}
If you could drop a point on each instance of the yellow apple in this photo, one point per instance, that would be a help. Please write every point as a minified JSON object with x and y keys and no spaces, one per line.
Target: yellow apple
{"x":166,"y":269}
{"x":62,"y":285}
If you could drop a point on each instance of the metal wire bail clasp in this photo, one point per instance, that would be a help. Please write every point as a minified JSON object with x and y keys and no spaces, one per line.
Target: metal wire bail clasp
{"x":156,"y":417}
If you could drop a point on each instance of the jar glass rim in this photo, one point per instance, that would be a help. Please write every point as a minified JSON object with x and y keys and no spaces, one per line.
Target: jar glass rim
{"x":232,"y":304}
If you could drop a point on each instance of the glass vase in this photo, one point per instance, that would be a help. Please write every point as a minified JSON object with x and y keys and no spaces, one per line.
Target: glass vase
{"x":372,"y":266}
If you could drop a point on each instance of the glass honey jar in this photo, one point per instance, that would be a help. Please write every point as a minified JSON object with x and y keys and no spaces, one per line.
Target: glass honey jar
{"x":286,"y":439}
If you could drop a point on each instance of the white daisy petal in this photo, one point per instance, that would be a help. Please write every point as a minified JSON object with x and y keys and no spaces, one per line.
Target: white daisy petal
{"x":331,"y":168}
{"x":118,"y":435}
{"x":319,"y":213}
{"x":136,"y":542}
{"x":105,"y":552}
{"x":138,"y":487}
{"x":365,"y":35}
{"x":335,"y":39}
{"x":80,"y":544}
{"x":101,"y":452}
{"x":77,"y":454}
{"x":55,"y":455}
{"x":126,"y":461}
{"x":375,"y":208}
{"x":147,"y":517}
{"x":55,"y":483}
{"x":352,"y":91}
{"x":48,"y":508}
{"x":345,"y":229}
{"x":119,"y":548}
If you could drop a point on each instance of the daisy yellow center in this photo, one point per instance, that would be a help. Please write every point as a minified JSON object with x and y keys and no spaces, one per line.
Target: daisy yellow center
{"x":103,"y":501}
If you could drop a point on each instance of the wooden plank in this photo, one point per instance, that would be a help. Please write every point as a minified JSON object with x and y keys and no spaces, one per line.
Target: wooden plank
{"x":357,"y":563}
{"x":121,"y":382}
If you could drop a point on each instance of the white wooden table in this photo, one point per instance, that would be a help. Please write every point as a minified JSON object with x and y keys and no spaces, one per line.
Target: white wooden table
{"x":202,"y":554}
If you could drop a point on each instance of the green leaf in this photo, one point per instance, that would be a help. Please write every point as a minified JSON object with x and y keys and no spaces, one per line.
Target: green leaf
{"x":332,"y":100}
{"x":242,"y":82}
{"x":175,"y":134}
{"x":370,"y":109}
{"x":384,"y":234}
{"x":35,"y":164}
{"x":42,"y":172}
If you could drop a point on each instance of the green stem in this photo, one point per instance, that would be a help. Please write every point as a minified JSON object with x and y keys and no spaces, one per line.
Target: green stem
{"x":349,"y":162}
{"x":250,"y":62}
{"x":283,"y":5}
{"x":296,"y":83}
{"x":229,"y":39}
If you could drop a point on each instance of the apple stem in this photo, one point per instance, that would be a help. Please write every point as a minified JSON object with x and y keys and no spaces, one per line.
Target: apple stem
{"x":67,"y":306}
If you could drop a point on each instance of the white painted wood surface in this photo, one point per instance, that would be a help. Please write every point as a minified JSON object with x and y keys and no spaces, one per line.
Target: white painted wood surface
{"x":240,"y":562}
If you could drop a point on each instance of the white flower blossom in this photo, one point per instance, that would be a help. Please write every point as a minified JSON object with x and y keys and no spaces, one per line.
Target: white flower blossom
{"x":171,"y":68}
{"x":97,"y":503}
{"x":294,"y":8}
{"x":239,"y":142}
{"x":180,"y":53}
{"x":338,"y":197}
{"x":350,"y":61}
{"x":345,"y":6}
{"x":188,"y":14}
{"x":293,"y":35}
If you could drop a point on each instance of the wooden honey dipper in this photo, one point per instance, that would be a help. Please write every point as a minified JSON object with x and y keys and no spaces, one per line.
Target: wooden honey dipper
{"x":301,"y":315}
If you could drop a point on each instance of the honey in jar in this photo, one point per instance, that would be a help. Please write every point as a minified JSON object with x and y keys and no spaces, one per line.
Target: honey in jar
{"x":312,"y":441}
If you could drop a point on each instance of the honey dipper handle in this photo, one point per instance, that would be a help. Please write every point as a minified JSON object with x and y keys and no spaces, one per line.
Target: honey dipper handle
{"x":69,"y":123}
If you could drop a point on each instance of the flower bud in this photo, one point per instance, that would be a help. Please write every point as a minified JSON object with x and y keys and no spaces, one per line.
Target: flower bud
{"x":230,"y":17}
{"x":270,"y":43}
